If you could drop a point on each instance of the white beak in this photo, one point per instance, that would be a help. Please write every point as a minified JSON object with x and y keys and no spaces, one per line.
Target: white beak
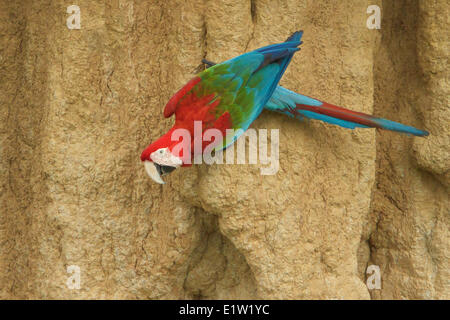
{"x":153,"y":172}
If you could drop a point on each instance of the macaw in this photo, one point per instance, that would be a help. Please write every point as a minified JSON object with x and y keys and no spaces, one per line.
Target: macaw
{"x":232,"y":94}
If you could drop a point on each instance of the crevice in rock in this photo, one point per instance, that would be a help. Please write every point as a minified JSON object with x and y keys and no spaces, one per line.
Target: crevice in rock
{"x":253,"y":17}
{"x":253,"y":10}
{"x":216,"y":269}
{"x":204,"y":39}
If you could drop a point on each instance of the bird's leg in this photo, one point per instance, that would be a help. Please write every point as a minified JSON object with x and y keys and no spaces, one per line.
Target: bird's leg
{"x":208,"y":63}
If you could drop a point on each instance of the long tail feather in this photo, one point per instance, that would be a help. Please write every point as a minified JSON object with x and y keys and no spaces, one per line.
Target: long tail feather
{"x":300,"y":106}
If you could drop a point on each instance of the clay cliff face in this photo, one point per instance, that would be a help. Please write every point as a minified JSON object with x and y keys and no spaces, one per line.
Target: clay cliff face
{"x":78,"y":106}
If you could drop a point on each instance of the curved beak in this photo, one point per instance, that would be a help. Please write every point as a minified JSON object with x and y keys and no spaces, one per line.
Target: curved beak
{"x":156,"y":171}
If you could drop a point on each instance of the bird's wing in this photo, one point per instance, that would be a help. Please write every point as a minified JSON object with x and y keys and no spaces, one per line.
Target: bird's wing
{"x":234,"y":91}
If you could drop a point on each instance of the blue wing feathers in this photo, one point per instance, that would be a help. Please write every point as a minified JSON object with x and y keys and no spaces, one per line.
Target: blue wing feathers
{"x":296,"y":36}
{"x":282,"y":59}
{"x":261,"y":70}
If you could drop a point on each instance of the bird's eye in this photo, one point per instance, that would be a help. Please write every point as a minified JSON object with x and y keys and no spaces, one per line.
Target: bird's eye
{"x":161,"y":151}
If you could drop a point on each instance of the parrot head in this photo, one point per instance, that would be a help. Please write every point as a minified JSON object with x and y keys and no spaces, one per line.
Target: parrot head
{"x":159,"y":160}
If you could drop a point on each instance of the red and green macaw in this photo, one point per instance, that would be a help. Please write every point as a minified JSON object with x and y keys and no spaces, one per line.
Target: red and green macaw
{"x":232,"y":94}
